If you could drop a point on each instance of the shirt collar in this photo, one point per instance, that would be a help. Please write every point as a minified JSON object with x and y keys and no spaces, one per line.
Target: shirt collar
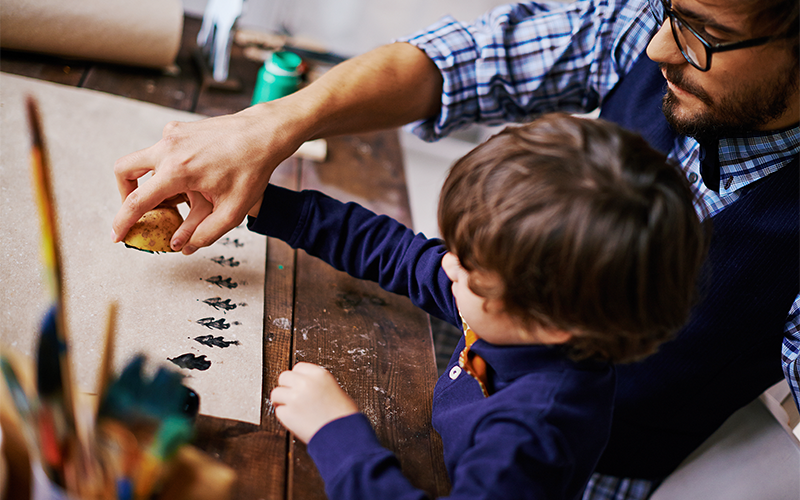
{"x":748,"y":158}
{"x":505,"y":363}
{"x":509,"y":362}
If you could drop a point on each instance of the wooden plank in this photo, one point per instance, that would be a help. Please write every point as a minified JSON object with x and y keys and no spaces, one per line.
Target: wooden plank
{"x":148,"y":85}
{"x":43,"y":67}
{"x":377,"y":345}
{"x":367,"y":168}
{"x":183,"y":90}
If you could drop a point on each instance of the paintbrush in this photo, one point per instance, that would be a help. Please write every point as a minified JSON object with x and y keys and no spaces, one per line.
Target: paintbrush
{"x":159,"y":412}
{"x":107,"y":366}
{"x":24,"y":405}
{"x":56,"y":415}
{"x":173,"y":432}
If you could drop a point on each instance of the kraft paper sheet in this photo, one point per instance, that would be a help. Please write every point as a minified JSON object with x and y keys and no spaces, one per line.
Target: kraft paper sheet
{"x":138,"y":32}
{"x":165,"y":301}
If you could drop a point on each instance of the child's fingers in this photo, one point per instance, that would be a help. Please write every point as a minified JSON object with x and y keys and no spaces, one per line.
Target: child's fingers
{"x":285,"y":379}
{"x":279,"y":396}
{"x":308,"y":368}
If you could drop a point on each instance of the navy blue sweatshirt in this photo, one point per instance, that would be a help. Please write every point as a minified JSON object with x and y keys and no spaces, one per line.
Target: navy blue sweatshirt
{"x":539,"y":434}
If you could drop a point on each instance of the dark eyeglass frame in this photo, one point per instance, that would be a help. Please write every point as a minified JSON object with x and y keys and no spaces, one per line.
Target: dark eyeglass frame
{"x":677,"y":22}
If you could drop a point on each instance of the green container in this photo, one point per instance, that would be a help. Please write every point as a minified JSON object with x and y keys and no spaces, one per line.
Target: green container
{"x":278,"y":77}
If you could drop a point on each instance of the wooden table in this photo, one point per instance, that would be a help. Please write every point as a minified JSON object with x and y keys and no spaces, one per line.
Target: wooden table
{"x":377,"y":345}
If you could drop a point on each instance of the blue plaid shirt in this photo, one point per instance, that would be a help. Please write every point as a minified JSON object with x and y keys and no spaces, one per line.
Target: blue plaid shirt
{"x":518,"y":61}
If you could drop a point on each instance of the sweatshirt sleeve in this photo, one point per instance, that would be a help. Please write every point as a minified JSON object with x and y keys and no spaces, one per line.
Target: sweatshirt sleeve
{"x":508,"y":459}
{"x":361,"y":243}
{"x":353,"y":464}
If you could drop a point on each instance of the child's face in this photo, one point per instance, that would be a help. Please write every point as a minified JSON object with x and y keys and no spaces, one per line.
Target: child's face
{"x":486,"y":317}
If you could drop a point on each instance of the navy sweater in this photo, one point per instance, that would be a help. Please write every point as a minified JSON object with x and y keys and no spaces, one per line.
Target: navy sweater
{"x":729,"y":351}
{"x":540,"y":433}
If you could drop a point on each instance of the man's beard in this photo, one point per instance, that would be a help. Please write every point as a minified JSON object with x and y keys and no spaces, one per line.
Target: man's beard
{"x":742,"y":110}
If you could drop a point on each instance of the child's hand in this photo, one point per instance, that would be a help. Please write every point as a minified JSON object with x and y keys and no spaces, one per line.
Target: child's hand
{"x":307,"y":398}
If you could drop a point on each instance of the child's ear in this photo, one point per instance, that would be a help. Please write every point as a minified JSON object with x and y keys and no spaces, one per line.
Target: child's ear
{"x":553,"y":336}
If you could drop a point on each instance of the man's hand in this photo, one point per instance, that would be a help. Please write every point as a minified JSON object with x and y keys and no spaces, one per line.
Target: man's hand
{"x":221,"y":165}
{"x":307,"y":398}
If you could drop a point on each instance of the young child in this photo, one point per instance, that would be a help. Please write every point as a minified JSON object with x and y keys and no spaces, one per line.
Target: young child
{"x":569,"y":245}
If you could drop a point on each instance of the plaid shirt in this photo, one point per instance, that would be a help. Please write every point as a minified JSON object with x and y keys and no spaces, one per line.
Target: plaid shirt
{"x":518,"y":61}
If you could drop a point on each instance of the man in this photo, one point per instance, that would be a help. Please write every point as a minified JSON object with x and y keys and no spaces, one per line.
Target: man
{"x":732,"y":109}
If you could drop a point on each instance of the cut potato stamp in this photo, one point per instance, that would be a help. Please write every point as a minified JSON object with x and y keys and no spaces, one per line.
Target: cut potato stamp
{"x":153,"y":231}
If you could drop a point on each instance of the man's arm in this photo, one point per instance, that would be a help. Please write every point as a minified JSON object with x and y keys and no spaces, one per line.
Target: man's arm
{"x":223,"y":164}
{"x":512,"y":64}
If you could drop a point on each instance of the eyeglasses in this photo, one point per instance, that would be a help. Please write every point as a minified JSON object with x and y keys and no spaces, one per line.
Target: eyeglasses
{"x":695,"y":49}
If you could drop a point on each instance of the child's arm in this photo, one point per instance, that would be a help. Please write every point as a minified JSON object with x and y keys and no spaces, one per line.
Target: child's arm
{"x":359,"y":242}
{"x":512,"y":448}
{"x":506,"y":460}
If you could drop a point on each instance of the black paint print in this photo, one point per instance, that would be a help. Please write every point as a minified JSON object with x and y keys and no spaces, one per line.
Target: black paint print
{"x":376,"y":301}
{"x":222,"y":261}
{"x":212,"y":341}
{"x":350,"y":300}
{"x":140,"y":249}
{"x":217,"y":324}
{"x":227,"y":241}
{"x":191,"y":361}
{"x":220,"y":305}
{"x":222,"y":283}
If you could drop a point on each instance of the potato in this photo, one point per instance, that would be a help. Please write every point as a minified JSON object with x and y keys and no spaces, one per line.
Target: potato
{"x":153,"y":231}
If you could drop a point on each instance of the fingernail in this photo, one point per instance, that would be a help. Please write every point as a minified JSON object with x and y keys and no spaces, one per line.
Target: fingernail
{"x":114,"y":237}
{"x":176,"y":244}
{"x":189,"y":250}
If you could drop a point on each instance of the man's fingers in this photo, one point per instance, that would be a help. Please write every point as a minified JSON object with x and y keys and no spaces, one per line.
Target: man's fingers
{"x":176,"y":200}
{"x":200,"y":208}
{"x":140,"y":200}
{"x":212,"y":228}
{"x":136,"y":200}
{"x":130,"y":168}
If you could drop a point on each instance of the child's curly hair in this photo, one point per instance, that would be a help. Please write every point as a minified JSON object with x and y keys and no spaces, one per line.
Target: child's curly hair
{"x":589,"y":229}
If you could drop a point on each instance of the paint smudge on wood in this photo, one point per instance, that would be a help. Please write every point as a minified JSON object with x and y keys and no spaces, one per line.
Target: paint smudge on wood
{"x":282,"y":323}
{"x":350,"y":300}
{"x":191,"y":362}
{"x":212,"y":341}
